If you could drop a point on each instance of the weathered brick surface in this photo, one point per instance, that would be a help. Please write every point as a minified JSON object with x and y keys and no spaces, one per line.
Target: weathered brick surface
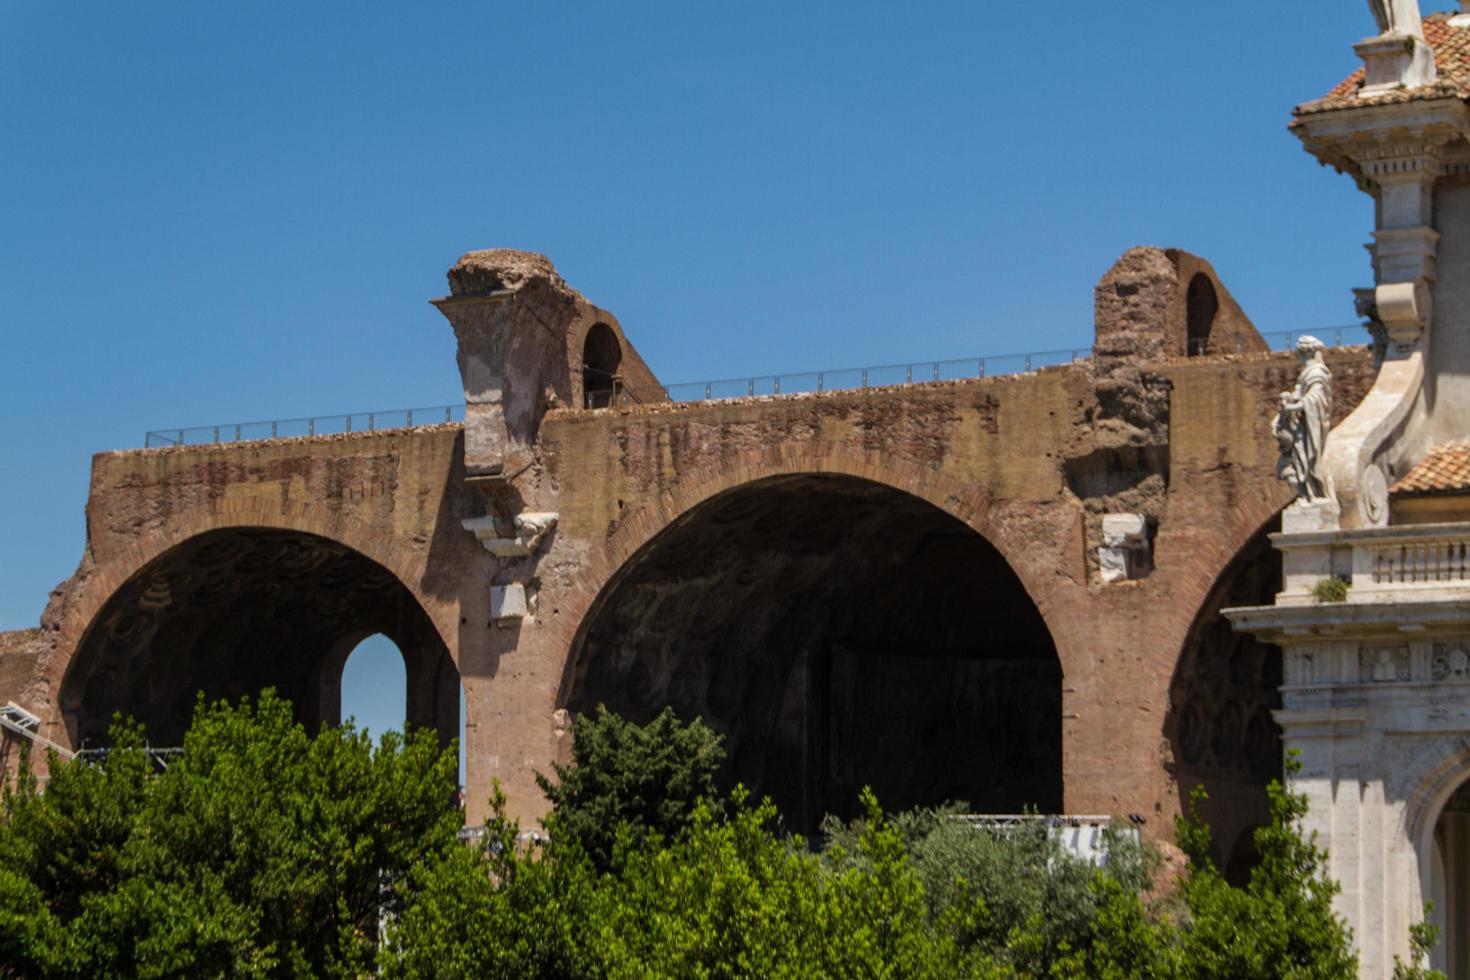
{"x":1029,"y":462}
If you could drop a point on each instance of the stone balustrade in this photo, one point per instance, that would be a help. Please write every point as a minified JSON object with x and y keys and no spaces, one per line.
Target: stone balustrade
{"x":1414,"y":559}
{"x":1379,"y":563}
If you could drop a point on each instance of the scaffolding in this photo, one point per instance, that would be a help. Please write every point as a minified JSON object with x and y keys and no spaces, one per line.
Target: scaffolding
{"x":19,"y":721}
{"x":22,"y":723}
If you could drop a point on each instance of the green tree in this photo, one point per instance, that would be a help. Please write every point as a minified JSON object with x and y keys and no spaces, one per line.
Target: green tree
{"x":497,"y":909}
{"x":1281,"y":925}
{"x":646,"y":779}
{"x":727,"y":898}
{"x":262,"y":851}
{"x":1423,"y":936}
{"x":1015,"y":894}
{"x":267,"y":852}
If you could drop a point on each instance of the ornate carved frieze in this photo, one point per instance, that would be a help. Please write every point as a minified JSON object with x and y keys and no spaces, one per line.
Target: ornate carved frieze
{"x":1383,"y":664}
{"x":1451,"y":661}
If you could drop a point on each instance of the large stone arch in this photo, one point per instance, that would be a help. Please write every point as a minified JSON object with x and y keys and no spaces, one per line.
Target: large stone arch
{"x":1004,"y":526}
{"x":103,"y":579}
{"x":784,"y":601}
{"x":1225,"y":686}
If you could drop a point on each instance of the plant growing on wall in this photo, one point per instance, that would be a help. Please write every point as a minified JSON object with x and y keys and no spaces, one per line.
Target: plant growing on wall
{"x":1423,"y":936}
{"x":1331,"y":589}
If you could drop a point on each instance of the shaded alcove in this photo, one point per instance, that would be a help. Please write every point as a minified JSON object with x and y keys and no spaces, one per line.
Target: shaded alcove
{"x":1226,"y":685}
{"x":602,"y":356}
{"x":231,"y":612}
{"x":1201,"y":304}
{"x":840,"y":633}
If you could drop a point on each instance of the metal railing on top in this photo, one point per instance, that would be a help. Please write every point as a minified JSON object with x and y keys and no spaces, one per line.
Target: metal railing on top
{"x":918,"y":372}
{"x":881,"y":376}
{"x":315,"y":425}
{"x":796,"y":383}
{"x":1279,"y":340}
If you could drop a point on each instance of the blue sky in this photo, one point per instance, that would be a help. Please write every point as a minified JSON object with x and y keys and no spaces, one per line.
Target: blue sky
{"x":230,"y":212}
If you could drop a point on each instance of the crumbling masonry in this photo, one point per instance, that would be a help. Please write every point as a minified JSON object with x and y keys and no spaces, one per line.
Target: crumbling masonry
{"x":907,"y":587}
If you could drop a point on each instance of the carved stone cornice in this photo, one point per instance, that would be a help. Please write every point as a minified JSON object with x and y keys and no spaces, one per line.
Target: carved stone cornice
{"x":1387,"y":142}
{"x":1388,"y":621}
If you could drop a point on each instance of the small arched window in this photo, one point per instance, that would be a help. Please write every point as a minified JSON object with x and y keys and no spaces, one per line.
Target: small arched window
{"x":375,"y":685}
{"x":602,"y":356}
{"x":1201,"y":305}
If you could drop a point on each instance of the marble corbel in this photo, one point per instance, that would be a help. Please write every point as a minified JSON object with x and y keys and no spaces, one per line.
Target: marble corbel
{"x":515,"y":537}
{"x":520,"y":540}
{"x":515,"y":542}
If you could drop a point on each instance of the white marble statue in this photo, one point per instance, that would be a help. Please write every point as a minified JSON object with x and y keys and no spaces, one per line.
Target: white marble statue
{"x":1397,"y":17}
{"x":1302,"y":424}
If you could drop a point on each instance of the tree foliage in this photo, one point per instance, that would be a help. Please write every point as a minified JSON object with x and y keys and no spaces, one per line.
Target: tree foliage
{"x":1281,"y":924}
{"x":261,"y":851}
{"x":642,"y":780}
{"x":1423,"y":936}
{"x":267,"y":852}
{"x":705,"y":891}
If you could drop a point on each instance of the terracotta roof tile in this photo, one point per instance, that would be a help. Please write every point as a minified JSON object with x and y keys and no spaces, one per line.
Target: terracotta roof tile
{"x":1445,"y":470}
{"x":1451,"y":46}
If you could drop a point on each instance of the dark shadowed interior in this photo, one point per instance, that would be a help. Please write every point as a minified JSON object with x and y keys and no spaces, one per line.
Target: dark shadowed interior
{"x":234,"y":611}
{"x":1225,"y":687}
{"x":602,"y":356}
{"x":840,"y":633}
{"x":1201,"y":305}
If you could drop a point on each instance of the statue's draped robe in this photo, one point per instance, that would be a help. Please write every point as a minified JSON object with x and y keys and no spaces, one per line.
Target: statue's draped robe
{"x":1397,"y":16}
{"x":1308,"y":430}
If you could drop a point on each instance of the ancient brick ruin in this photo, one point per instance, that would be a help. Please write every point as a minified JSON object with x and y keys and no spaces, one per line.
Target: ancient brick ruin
{"x":893,"y":586}
{"x":1081,"y":589}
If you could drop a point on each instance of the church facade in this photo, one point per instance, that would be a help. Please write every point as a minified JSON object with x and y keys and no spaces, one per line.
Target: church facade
{"x":1373,"y":616}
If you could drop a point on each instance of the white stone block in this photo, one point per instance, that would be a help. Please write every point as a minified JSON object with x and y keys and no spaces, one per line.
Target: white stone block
{"x":1120,"y":530}
{"x":508,"y":602}
{"x":1124,"y":553}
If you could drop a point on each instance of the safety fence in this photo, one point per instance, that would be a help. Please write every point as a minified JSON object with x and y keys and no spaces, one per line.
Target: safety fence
{"x":1354,"y":333}
{"x":315,"y":425}
{"x":768,"y":385}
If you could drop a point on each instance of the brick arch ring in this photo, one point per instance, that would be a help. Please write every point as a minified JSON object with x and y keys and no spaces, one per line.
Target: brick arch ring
{"x":1239,"y":527}
{"x":969,"y":504}
{"x":77,"y":617}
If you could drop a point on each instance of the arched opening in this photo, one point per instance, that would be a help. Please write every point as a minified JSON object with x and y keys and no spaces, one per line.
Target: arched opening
{"x":1243,"y":858}
{"x":1225,"y":687}
{"x":602,"y":356}
{"x":840,"y":633}
{"x":1438,"y":897}
{"x":233,"y":611}
{"x":1449,"y":884}
{"x":1201,"y":305}
{"x":375,"y":686}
